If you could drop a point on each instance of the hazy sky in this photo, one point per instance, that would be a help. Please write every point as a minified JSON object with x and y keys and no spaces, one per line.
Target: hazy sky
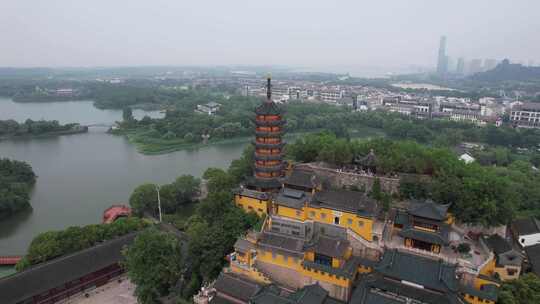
{"x":279,"y":32}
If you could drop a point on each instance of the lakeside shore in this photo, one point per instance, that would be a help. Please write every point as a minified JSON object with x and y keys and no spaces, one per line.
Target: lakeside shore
{"x":76,"y":130}
{"x":156,"y":146}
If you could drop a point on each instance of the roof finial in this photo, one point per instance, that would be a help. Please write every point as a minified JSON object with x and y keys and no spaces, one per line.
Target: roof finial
{"x":268,"y":88}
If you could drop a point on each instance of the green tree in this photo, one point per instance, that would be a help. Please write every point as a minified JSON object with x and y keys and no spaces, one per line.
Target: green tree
{"x":187,"y":188}
{"x":16,"y":181}
{"x":219,"y":180}
{"x":154,"y":264}
{"x":376,"y":192}
{"x":525,"y":290}
{"x":144,"y":199}
{"x":52,"y":244}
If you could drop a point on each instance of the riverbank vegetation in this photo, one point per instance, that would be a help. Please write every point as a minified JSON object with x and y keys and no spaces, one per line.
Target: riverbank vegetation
{"x":487,"y":195}
{"x":16,"y":181}
{"x":31,"y":128}
{"x":52,"y":244}
{"x":183,"y":127}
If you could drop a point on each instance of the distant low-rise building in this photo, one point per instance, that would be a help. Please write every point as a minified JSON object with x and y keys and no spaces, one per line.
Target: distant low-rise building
{"x":210,"y":108}
{"x":526,"y":115}
{"x":331,"y":95}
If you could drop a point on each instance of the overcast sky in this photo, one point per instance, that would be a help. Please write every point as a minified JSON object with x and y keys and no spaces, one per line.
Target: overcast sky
{"x":279,"y":32}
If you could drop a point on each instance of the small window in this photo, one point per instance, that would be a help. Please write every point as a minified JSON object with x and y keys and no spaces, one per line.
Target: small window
{"x":522,"y":241}
{"x":295,"y":233}
{"x":349,"y":221}
{"x":312,"y":214}
{"x":336,"y":220}
{"x":260,"y":210}
{"x":360,"y":224}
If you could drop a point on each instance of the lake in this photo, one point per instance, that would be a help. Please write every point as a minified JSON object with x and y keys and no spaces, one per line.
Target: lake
{"x":79,"y":176}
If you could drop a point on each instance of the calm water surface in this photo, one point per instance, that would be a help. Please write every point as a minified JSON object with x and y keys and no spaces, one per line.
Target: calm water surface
{"x":81,"y":175}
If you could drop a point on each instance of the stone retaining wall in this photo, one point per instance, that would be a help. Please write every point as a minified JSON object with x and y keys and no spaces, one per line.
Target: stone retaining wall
{"x":339,"y":179}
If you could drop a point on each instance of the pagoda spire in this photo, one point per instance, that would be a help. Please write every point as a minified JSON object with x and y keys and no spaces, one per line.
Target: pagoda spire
{"x":268,"y":88}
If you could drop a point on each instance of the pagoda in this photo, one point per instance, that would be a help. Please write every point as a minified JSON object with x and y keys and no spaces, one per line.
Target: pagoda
{"x":269,"y":169}
{"x":269,"y":125}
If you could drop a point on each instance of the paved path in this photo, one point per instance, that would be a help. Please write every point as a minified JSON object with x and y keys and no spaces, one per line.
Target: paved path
{"x":111,"y":293}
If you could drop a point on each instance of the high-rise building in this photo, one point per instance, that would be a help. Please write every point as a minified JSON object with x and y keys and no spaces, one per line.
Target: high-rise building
{"x":442,"y":62}
{"x":489,"y":64}
{"x":475,"y":66}
{"x":460,"y":67}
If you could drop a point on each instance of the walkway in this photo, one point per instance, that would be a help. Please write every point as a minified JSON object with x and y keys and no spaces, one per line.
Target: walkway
{"x":110,"y":293}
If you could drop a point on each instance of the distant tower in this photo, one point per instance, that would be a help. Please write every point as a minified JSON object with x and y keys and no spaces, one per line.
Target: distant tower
{"x":269,"y":122}
{"x":442,"y":62}
{"x":460,"y":68}
{"x":489,"y":64}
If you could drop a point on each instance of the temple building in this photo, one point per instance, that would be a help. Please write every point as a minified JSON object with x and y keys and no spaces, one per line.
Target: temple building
{"x":402,"y":277}
{"x":424,"y":225}
{"x":506,"y":261}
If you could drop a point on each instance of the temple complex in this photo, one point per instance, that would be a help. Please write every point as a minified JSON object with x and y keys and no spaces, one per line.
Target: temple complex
{"x":325,"y":244}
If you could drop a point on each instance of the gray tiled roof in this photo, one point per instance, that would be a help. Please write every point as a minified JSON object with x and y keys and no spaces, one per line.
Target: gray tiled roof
{"x":252,"y":193}
{"x":220,"y":300}
{"x":302,"y":178}
{"x":428,"y":209}
{"x":48,"y":275}
{"x":347,"y":201}
{"x":433,"y":274}
{"x":533,"y":254}
{"x":280,"y":242}
{"x":333,"y":247}
{"x":375,"y":289}
{"x":440,"y":237}
{"x":526,"y":226}
{"x":236,"y":286}
{"x":497,"y":244}
{"x":268,"y":108}
{"x":292,"y":198}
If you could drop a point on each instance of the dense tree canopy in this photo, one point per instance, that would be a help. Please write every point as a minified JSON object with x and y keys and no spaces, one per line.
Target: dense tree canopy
{"x":52,"y":244}
{"x":11,"y":128}
{"x":525,"y":290}
{"x":213,"y":229}
{"x":16,"y":180}
{"x":154,"y":264}
{"x":479,"y":194}
{"x":174,"y":195}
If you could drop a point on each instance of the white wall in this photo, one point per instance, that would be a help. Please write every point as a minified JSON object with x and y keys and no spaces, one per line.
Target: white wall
{"x":529,"y":240}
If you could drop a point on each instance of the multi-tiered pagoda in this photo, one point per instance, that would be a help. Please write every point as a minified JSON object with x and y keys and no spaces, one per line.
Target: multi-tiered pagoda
{"x":256,"y":194}
{"x":269,"y":129}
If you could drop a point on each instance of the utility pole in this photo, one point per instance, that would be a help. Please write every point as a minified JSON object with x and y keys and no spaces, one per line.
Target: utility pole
{"x":159,"y":202}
